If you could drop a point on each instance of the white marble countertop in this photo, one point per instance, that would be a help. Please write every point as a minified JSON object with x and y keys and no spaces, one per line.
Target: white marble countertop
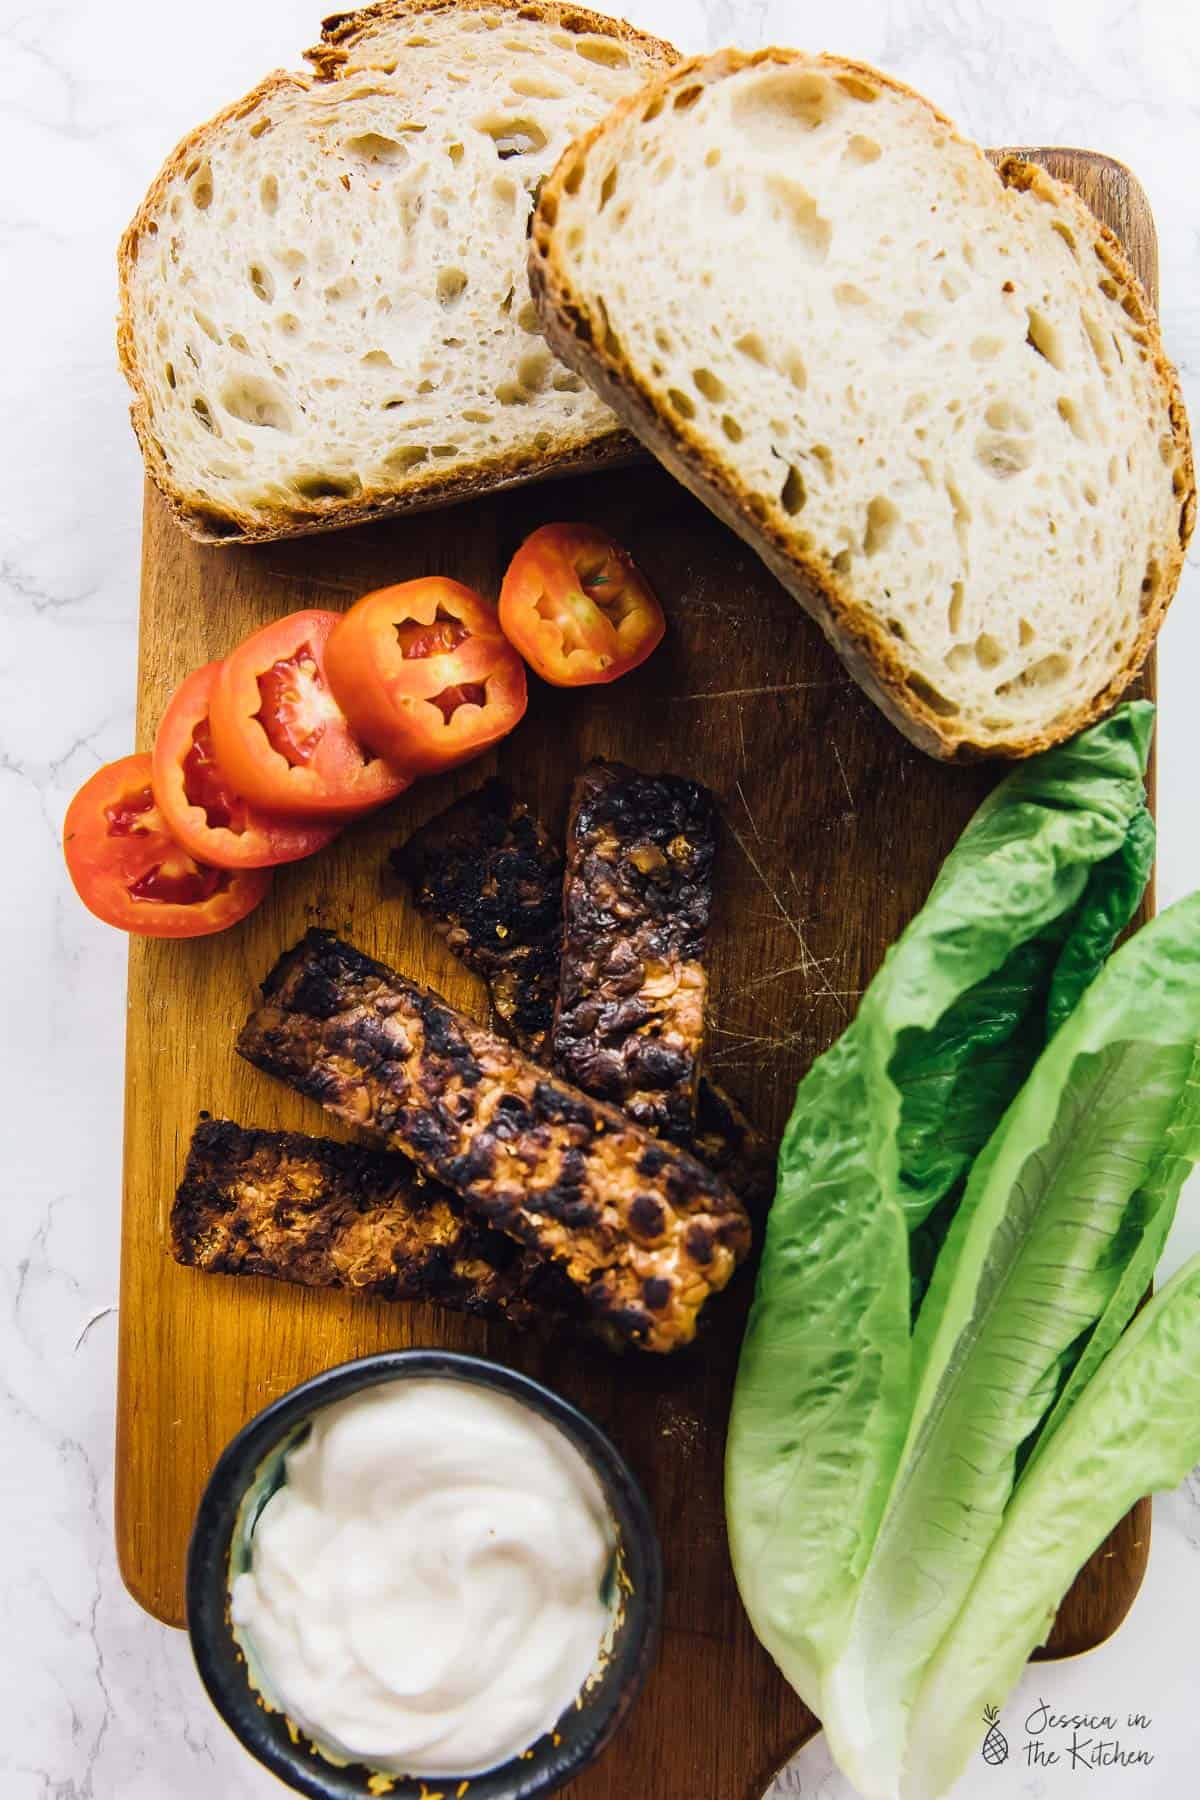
{"x":101,"y":1703}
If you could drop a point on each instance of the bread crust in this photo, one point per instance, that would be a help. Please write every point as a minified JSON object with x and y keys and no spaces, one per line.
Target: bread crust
{"x":340,"y":31}
{"x":423,"y":489}
{"x":581,"y":340}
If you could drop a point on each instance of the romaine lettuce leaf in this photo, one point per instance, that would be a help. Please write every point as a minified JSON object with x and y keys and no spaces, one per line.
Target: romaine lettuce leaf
{"x":883,"y":1128}
{"x":1026,"y":907}
{"x":1056,"y":1208}
{"x":821,"y":1401}
{"x":1135,"y":1430}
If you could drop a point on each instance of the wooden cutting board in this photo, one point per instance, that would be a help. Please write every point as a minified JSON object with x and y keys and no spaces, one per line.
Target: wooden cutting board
{"x":834,"y":828}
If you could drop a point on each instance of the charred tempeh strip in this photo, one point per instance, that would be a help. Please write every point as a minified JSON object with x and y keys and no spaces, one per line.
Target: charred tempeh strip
{"x":644,"y":1230}
{"x":629,"y":1026}
{"x":331,"y":1215}
{"x":487,"y":875}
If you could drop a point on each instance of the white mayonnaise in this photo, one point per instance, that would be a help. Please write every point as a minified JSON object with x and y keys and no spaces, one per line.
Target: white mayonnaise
{"x":424,"y":1589}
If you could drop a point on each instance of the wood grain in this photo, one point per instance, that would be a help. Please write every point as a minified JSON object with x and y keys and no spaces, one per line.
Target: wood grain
{"x":833,"y":829}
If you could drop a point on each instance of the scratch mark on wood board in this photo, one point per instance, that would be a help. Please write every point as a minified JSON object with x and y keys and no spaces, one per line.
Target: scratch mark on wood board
{"x":812,"y":965}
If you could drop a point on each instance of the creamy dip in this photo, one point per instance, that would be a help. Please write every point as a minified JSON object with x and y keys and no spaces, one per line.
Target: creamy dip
{"x":424,"y":1589}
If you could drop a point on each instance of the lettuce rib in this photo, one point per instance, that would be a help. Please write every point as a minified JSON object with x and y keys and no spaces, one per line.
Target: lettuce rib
{"x":1160,"y":1196}
{"x":1135,"y":1430}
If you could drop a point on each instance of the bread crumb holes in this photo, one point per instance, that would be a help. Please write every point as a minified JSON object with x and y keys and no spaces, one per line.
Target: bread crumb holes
{"x":882,"y":518}
{"x":1043,"y":337}
{"x":257,"y":403}
{"x":200,"y":187}
{"x":861,"y":151}
{"x":793,"y":494}
{"x":451,"y":286}
{"x":522,"y":137}
{"x":603,"y":50}
{"x":751,"y":345}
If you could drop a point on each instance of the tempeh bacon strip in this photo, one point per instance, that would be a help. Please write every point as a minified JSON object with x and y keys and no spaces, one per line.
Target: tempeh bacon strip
{"x":643,"y":1229}
{"x":331,"y":1215}
{"x":629,"y":1026}
{"x":488,"y":876}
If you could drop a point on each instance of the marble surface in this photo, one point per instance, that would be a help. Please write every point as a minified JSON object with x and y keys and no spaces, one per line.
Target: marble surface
{"x":100,"y":1703}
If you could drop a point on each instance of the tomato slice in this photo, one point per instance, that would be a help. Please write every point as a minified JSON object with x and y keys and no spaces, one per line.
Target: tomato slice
{"x":129,"y":870}
{"x":577,"y":607}
{"x":425,"y":674}
{"x":281,"y":737}
{"x":201,"y":810}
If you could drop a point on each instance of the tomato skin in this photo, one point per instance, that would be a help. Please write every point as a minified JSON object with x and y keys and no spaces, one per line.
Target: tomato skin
{"x":197,"y":802}
{"x":425,"y":673}
{"x":576,"y":606}
{"x":129,"y":871}
{"x":300,"y":758}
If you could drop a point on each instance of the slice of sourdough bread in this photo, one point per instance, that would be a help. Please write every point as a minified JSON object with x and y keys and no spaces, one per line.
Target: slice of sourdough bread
{"x":931,"y":394}
{"x":325,"y":315}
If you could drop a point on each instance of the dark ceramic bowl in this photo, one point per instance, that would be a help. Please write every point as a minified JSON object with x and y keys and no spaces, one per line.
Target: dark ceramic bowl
{"x":251,"y":1469}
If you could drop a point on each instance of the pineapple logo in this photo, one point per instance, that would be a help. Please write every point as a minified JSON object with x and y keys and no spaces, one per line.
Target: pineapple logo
{"x":995,"y":1744}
